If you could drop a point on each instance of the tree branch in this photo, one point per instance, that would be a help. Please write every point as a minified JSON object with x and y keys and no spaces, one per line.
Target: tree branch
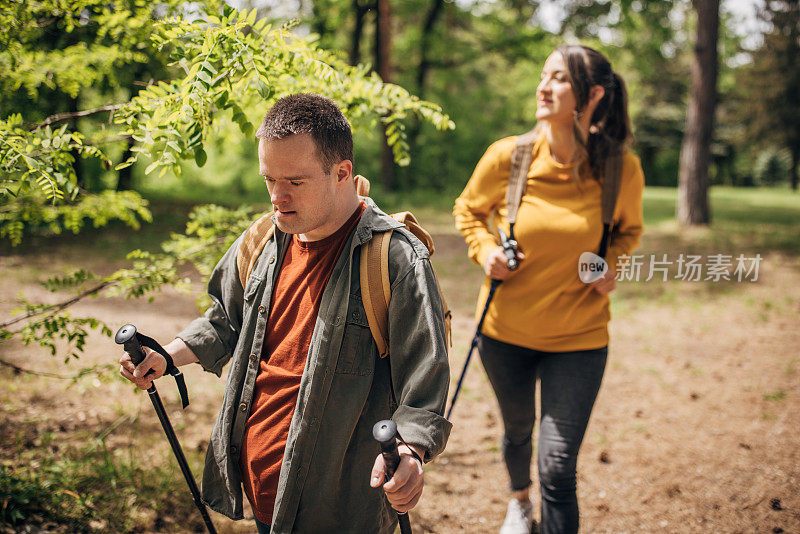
{"x":57,"y":307}
{"x":79,"y":374}
{"x":61,"y":117}
{"x":18,"y":369}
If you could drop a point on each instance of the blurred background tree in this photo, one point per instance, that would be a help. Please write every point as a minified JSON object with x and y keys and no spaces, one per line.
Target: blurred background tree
{"x":770,"y":94}
{"x":107,"y":106}
{"x":217,"y":69}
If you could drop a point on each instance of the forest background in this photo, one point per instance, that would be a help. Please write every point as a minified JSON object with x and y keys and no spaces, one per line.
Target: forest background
{"x":121,"y":120}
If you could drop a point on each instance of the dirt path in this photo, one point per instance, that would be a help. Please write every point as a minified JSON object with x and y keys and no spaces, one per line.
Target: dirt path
{"x":695,"y":429}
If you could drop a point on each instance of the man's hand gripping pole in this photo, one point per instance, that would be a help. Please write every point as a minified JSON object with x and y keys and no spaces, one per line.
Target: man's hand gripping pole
{"x":385,"y":433}
{"x":133,"y":341}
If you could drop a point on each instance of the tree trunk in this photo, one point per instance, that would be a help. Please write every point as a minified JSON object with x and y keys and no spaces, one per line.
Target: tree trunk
{"x":359,"y":11}
{"x":125,"y":176}
{"x":423,"y":69}
{"x":693,"y":179}
{"x":793,"y":171}
{"x":425,"y":45}
{"x":383,"y":39}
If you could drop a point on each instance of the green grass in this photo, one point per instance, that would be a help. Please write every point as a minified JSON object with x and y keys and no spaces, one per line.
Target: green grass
{"x":91,"y":486}
{"x":742,"y":220}
{"x":776,"y":396}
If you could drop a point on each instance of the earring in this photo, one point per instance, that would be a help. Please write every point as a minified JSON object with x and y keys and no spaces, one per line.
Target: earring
{"x":594,"y":129}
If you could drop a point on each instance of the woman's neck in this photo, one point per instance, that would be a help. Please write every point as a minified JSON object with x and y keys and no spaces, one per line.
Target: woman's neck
{"x":561,"y":138}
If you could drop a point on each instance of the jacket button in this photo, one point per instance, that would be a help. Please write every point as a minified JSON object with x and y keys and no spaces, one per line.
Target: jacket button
{"x":234,"y":449}
{"x":253,"y":358}
{"x":272,"y":259}
{"x":243,"y":406}
{"x":262,"y":309}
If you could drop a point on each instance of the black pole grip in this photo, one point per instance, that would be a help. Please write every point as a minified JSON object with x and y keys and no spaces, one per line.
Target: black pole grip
{"x":385,"y":433}
{"x":126,"y":336}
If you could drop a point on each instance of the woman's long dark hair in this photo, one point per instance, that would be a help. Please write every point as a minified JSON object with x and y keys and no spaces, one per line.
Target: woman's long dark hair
{"x":610,"y":129}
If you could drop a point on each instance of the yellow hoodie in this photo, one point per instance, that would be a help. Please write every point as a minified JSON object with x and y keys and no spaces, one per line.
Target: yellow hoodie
{"x":544,"y":305}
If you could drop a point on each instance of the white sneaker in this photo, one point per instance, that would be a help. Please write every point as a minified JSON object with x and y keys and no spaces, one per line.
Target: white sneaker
{"x":519,"y":518}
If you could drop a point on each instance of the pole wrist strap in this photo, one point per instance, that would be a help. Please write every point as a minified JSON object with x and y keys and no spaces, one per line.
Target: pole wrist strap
{"x":172,"y":369}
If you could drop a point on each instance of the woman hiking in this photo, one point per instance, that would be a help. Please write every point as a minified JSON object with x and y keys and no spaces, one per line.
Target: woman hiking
{"x":544,"y":321}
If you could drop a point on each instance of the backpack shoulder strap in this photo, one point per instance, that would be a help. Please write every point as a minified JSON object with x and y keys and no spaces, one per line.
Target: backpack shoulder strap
{"x":375,"y":289}
{"x":518,"y":176}
{"x":253,"y":243}
{"x":612,"y":178}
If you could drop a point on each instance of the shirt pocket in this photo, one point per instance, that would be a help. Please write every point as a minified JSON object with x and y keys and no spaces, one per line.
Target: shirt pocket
{"x":358,"y":352}
{"x":250,"y":290}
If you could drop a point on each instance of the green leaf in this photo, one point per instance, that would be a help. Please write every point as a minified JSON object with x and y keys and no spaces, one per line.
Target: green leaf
{"x":222,"y":99}
{"x":263,"y":89}
{"x":200,"y":156}
{"x":203,"y":75}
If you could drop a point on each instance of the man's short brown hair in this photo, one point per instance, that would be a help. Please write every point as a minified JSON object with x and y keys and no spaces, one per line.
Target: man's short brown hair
{"x":313,"y":114}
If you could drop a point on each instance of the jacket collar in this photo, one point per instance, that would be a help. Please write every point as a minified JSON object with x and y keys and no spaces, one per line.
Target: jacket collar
{"x":372,"y":221}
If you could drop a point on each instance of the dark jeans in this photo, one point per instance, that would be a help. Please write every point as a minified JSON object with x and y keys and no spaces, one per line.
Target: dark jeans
{"x":263,"y":528}
{"x":569,"y":384}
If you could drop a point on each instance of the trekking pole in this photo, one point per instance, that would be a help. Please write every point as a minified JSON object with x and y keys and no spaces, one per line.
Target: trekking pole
{"x":133,"y":342}
{"x":510,"y":250}
{"x":385,"y":433}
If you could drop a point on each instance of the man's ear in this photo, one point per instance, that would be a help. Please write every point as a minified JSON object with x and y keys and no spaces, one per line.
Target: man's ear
{"x":344,"y":170}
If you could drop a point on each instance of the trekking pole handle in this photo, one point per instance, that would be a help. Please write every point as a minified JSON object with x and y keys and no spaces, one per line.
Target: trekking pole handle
{"x":385,"y":433}
{"x":510,"y":250}
{"x":126,"y":336}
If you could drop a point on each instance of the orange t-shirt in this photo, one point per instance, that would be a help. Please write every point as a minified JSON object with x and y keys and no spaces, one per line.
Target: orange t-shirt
{"x":296,"y":297}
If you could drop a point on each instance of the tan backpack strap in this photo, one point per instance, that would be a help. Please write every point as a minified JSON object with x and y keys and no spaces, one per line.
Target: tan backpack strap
{"x":375,"y":288}
{"x":612,"y":178}
{"x":408,"y":219}
{"x":253,"y":243}
{"x":518,"y":176}
{"x":362,"y":185}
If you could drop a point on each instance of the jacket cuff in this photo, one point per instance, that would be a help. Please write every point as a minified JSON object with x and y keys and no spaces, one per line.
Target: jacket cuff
{"x":423,"y":428}
{"x":204,"y":342}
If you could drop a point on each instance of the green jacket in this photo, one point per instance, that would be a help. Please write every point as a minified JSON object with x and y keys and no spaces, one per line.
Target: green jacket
{"x":345,"y":389}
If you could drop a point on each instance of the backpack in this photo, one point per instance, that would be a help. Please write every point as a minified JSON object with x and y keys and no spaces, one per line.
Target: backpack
{"x":518,"y":179}
{"x":376,"y":291}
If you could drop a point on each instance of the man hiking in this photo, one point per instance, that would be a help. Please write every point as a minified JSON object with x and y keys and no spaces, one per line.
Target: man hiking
{"x":306,"y":384}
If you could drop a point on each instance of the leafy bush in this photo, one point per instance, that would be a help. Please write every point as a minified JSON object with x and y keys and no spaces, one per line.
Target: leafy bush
{"x":772,"y":166}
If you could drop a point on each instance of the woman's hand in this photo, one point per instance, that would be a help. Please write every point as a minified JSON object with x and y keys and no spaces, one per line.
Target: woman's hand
{"x":496,"y":264}
{"x":606,"y":284}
